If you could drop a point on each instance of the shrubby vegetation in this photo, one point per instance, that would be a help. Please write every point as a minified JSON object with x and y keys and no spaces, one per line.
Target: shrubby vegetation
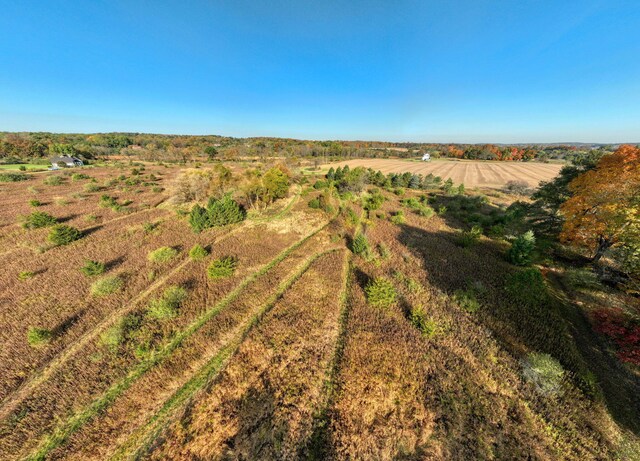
{"x":61,"y":234}
{"x":522,"y":249}
{"x":38,"y":336}
{"x":38,"y":219}
{"x":166,"y":307}
{"x":198,"y":252}
{"x":222,"y":268}
{"x":92,"y":268}
{"x":162,"y":255}
{"x":381,"y":292}
{"x":219,"y":212}
{"x":106,"y":286}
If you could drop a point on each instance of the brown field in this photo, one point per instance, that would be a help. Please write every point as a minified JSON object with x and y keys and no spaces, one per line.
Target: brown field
{"x":286,"y":358}
{"x":471,"y":173}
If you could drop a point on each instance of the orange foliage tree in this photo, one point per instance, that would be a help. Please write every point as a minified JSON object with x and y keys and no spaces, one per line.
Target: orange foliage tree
{"x":604,"y":210}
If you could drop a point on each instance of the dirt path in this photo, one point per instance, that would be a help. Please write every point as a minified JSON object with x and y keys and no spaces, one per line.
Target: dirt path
{"x":620,"y":388}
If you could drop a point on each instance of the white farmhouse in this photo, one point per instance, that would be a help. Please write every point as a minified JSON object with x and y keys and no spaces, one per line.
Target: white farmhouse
{"x":426,"y":157}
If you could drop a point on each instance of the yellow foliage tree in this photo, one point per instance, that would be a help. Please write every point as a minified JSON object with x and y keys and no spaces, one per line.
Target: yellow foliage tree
{"x":604,"y":210}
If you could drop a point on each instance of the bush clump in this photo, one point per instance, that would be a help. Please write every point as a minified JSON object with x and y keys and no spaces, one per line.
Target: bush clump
{"x":398,"y":218}
{"x":467,"y":300}
{"x":62,"y":234}
{"x":167,"y":305}
{"x":223,"y":267}
{"x":106,"y":286}
{"x":522,"y":249}
{"x":380,"y":292}
{"x":470,"y":237}
{"x":26,"y":275}
{"x":53,"y":180}
{"x":360,"y":245}
{"x":427,"y":326}
{"x":198,"y":252}
{"x":544,"y":372}
{"x":219,"y":212}
{"x":92,"y":268}
{"x":13,"y":177}
{"x":38,"y":336}
{"x":119,"y":333}
{"x":38,"y":219}
{"x":35,"y":203}
{"x":162,"y":255}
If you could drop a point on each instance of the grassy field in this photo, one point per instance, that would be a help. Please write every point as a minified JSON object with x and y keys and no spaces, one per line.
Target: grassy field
{"x":23,"y":166}
{"x":469,"y":172}
{"x":339,"y":333}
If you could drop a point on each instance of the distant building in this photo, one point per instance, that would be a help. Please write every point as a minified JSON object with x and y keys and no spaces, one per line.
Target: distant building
{"x":65,"y":161}
{"x":426,"y":157}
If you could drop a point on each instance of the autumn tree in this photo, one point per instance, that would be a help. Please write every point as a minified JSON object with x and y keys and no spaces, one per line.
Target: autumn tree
{"x":604,"y":209}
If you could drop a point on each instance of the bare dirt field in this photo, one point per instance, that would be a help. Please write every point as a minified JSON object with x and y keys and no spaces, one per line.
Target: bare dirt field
{"x":471,"y":173}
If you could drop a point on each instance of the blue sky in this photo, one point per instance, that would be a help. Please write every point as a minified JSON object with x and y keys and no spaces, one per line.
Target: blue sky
{"x":439,"y":71}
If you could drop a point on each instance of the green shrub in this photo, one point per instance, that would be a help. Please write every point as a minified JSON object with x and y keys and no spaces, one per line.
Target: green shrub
{"x":224,"y":211}
{"x":544,"y":372}
{"x":398,"y":218}
{"x":62,"y":234}
{"x":470,"y":237}
{"x":383,"y":251}
{"x":198,"y":252}
{"x":380,"y":292}
{"x":199,"y":219}
{"x":314,"y":203}
{"x":162,"y":255}
{"x":149,"y":227}
{"x":360,"y":245}
{"x":92,"y":187}
{"x":373,"y":201}
{"x":466,"y":299}
{"x":107,"y":201}
{"x":79,"y":176}
{"x":427,"y":326}
{"x":38,"y":336}
{"x":166,"y":307}
{"x":106,"y":286}
{"x":35,"y":203}
{"x":119,"y":333}
{"x":25,"y":275}
{"x":53,"y":180}
{"x":522,"y":249}
{"x":13,"y":177}
{"x":223,"y":267}
{"x":92,"y":268}
{"x":38,"y":219}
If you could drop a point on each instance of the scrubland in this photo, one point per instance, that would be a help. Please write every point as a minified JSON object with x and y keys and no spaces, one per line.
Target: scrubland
{"x":357,"y":323}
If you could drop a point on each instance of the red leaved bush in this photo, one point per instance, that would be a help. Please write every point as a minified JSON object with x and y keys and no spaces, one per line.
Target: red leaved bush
{"x":623,"y":330}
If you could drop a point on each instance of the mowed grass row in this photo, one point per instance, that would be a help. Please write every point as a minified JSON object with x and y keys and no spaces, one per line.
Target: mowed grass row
{"x":111,"y":429}
{"x":262,"y":405}
{"x":164,"y":273}
{"x":79,"y":418}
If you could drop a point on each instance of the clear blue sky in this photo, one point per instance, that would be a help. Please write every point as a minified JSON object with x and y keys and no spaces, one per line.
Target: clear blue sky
{"x":465,"y":71}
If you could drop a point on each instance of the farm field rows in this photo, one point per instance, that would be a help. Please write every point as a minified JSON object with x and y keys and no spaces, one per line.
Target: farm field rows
{"x":468,"y":172}
{"x":313,"y":345}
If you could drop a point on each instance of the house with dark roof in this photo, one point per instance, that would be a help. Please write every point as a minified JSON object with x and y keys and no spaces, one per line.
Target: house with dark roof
{"x":65,"y":161}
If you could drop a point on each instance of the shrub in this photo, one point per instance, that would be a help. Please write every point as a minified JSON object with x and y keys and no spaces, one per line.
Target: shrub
{"x":522,"y":249}
{"x":106,"y":286}
{"x":199,"y":219}
{"x":224,"y":211}
{"x":91,"y":268}
{"x":53,"y":180}
{"x":120,"y":332}
{"x":35,"y":203}
{"x":62,"y":234}
{"x":223,"y":267}
{"x":398,"y":218}
{"x":374,"y":201}
{"x":107,"y":201}
{"x":360,"y":245}
{"x":427,"y":326}
{"x":470,"y":237}
{"x":198,"y":252}
{"x":13,"y":177}
{"x":517,"y":187}
{"x":38,"y":219}
{"x":314,"y":203}
{"x":162,"y":255}
{"x":92,"y":187}
{"x":466,"y":299}
{"x":79,"y":176}
{"x":38,"y":336}
{"x":166,"y":307}
{"x":380,"y":292}
{"x":25,"y":275}
{"x":544,"y":372}
{"x":383,"y":251}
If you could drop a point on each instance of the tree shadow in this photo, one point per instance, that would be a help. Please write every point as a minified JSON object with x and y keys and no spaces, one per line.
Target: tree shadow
{"x":66,"y":324}
{"x":556,"y":327}
{"x":91,"y":230}
{"x":109,"y":265}
{"x":68,"y":218}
